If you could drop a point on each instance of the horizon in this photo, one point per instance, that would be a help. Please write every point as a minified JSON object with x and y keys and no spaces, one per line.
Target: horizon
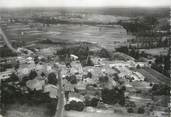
{"x":84,"y":3}
{"x":105,"y":7}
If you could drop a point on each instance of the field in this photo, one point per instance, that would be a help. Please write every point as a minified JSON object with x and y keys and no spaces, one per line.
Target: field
{"x":40,"y":111}
{"x":154,"y":76}
{"x":103,"y":36}
{"x":156,"y":51}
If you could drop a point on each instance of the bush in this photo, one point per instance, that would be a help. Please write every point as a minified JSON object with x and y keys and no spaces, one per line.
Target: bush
{"x":103,"y":79}
{"x":93,"y":102}
{"x":77,"y":106}
{"x":141,"y":110}
{"x":73,"y":79}
{"x":67,"y":107}
{"x":130,"y":110}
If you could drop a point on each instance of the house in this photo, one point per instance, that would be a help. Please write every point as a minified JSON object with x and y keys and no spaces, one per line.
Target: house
{"x":35,"y":84}
{"x":24,"y":51}
{"x":76,"y":67}
{"x":142,"y":64}
{"x":139,"y":75}
{"x":120,"y":64}
{"x":5,"y":75}
{"x":81,"y":86}
{"x":52,"y":90}
{"x":68,"y":86}
{"x":159,"y":114}
{"x":22,"y":72}
{"x":74,"y":99}
{"x":73,"y":57}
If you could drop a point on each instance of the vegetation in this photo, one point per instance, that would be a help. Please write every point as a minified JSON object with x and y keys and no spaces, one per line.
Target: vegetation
{"x":91,"y":102}
{"x":141,"y":110}
{"x":113,"y":96}
{"x":72,"y":79}
{"x":160,"y":89}
{"x":6,"y":52}
{"x":162,"y":64}
{"x":142,"y":25}
{"x":52,"y":79}
{"x":32,"y":74}
{"x":73,"y":105}
{"x":131,"y":51}
{"x":104,"y":53}
{"x":82,"y":52}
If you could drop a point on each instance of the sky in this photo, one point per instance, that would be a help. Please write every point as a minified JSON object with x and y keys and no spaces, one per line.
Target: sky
{"x":84,"y":3}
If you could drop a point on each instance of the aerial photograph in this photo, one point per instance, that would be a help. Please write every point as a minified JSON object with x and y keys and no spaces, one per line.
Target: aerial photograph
{"x":85,"y":58}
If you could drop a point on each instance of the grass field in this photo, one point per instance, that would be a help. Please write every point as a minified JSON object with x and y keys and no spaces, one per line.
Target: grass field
{"x":40,"y":111}
{"x":156,"y":51}
{"x":154,"y":76}
{"x":101,"y":35}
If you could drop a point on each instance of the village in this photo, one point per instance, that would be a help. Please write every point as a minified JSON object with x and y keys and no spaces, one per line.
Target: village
{"x":111,"y":62}
{"x":101,"y":85}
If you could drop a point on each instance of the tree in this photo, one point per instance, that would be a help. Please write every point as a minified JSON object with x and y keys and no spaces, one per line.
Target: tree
{"x":89,"y":61}
{"x":123,"y":49}
{"x":141,"y":110}
{"x":91,"y":102}
{"x":113,"y":96}
{"x":150,"y":21}
{"x":73,"y":79}
{"x":104,"y":53}
{"x":17,"y":65}
{"x":89,"y":75}
{"x":103,"y":79}
{"x":167,"y":63}
{"x":14,"y":77}
{"x":52,"y":79}
{"x":36,"y":60}
{"x":32,"y":74}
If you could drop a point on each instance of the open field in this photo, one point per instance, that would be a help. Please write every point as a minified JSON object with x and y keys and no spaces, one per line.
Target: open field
{"x":85,"y":114}
{"x":156,"y":51}
{"x":108,"y":37}
{"x":40,"y":111}
{"x":154,"y":76}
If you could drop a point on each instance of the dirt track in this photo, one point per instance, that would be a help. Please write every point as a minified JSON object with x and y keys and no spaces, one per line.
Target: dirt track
{"x":6,"y":41}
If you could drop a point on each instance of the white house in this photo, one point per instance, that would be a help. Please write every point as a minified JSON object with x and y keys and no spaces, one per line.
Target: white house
{"x":73,"y":57}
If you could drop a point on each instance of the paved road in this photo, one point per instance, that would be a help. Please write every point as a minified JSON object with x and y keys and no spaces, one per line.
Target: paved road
{"x":4,"y":37}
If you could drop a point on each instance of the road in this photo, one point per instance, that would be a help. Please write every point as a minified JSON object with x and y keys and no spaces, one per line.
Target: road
{"x":4,"y":37}
{"x":60,"y":105}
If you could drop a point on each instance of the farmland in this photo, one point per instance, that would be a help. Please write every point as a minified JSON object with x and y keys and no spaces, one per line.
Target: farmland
{"x":107,"y":37}
{"x":154,"y":76}
{"x":156,"y":51}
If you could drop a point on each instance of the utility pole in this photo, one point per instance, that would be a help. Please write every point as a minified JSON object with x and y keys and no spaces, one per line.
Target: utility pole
{"x":60,"y":104}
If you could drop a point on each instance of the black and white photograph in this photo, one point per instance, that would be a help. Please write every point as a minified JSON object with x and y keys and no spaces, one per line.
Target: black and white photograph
{"x":85,"y":58}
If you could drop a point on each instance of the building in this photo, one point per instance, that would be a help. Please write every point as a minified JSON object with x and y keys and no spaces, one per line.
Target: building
{"x":5,"y":75}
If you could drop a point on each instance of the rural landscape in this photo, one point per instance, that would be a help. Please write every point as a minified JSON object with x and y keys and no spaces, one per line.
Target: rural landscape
{"x":85,"y":62}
